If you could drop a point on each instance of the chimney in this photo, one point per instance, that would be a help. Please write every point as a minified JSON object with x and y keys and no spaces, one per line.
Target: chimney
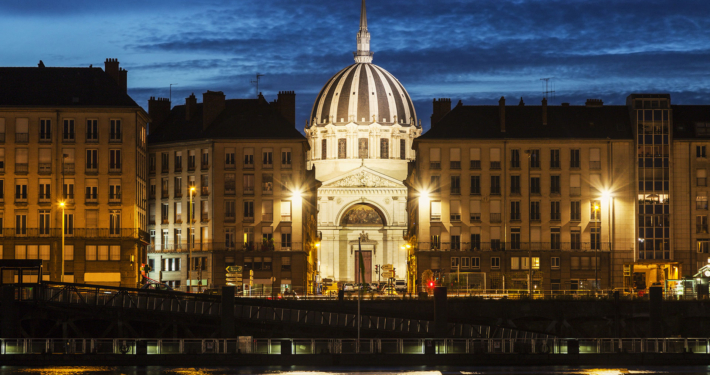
{"x":442,"y":106}
{"x":111,"y":68}
{"x":212,"y":106}
{"x":190,"y":106}
{"x":594,"y":103}
{"x":501,"y":113}
{"x":544,"y":111}
{"x":286,"y":105}
{"x":123,"y":79}
{"x":522,"y":103}
{"x":158,"y":109}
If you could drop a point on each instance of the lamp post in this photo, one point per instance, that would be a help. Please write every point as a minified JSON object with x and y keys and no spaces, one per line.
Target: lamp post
{"x":61,"y":277}
{"x":530,"y":276}
{"x":190,"y":236}
{"x":597,"y":218}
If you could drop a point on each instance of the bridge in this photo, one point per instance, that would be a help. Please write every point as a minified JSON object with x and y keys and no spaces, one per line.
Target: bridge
{"x":68,"y":310}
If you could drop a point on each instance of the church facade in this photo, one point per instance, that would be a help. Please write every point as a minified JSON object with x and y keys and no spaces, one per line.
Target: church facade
{"x":360,"y":132}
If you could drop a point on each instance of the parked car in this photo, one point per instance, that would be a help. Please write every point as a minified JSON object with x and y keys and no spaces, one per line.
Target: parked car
{"x":157,"y":286}
{"x":348,"y":287}
{"x":400,"y":286}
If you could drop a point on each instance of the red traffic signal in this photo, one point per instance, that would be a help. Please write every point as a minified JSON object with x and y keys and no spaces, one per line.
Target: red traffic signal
{"x":431,"y":284}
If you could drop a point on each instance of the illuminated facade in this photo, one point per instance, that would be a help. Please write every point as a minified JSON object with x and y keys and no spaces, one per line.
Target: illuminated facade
{"x":360,"y":132}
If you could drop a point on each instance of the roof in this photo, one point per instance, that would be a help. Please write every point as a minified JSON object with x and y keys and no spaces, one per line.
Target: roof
{"x":240,"y":119}
{"x":61,"y":87}
{"x":363,"y":93}
{"x":685,"y":118}
{"x":525,"y":122}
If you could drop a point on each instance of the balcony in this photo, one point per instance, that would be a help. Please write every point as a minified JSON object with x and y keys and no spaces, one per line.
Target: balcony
{"x":22,"y":137}
{"x":45,"y":168}
{"x":205,"y":217}
{"x":248,"y":190}
{"x":165,"y":169}
{"x":595,"y":165}
{"x":514,"y":216}
{"x":21,"y":168}
{"x":267,"y":188}
{"x":204,"y":166}
{"x":92,"y":199}
{"x":178,"y":168}
{"x":495,"y":218}
{"x":164,"y":194}
{"x":68,"y":168}
{"x":22,"y":199}
{"x":455,"y":165}
{"x":178,"y":218}
{"x":94,"y":138}
{"x":205,"y":191}
{"x":555,"y":216}
{"x":555,"y":190}
{"x":534,"y":216}
{"x":115,"y":138}
{"x":495,"y":190}
{"x":575,"y":191}
{"x":92,"y":169}
{"x":45,"y":199}
{"x":495,"y":165}
{"x":285,"y":217}
{"x":455,"y":217}
{"x":230,"y":189}
{"x":554,"y":164}
{"x":475,"y":218}
{"x":114,"y":198}
{"x":151,"y":169}
{"x":701,"y":229}
{"x":114,"y":169}
{"x":191,"y":166}
{"x":267,"y":217}
{"x":435,"y":165}
{"x":68,"y":138}
{"x":475,"y":164}
{"x":512,"y":246}
{"x":177,"y":194}
{"x":435,"y":218}
{"x":164,"y":220}
{"x":230,"y":218}
{"x":248,"y":219}
{"x":515,"y":190}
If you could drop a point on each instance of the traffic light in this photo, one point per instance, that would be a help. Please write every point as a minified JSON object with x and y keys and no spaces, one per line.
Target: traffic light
{"x":377,"y":269}
{"x":431,"y":284}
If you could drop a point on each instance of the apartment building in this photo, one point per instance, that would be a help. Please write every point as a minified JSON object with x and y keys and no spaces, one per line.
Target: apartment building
{"x":73,"y":143}
{"x":499,"y":191}
{"x":242,"y":164}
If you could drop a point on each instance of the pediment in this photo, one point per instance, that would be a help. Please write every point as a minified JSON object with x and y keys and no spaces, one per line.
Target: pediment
{"x":364,"y":177}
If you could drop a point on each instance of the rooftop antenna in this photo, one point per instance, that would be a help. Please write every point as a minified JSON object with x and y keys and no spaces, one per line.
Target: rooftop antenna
{"x":171,"y":91}
{"x":258,"y":77}
{"x":548,"y":87}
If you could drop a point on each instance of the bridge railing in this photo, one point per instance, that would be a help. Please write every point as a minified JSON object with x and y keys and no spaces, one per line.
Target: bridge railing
{"x":249,"y":345}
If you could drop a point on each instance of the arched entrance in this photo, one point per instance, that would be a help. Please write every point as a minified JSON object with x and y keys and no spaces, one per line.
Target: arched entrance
{"x":363,"y":214}
{"x":363,"y":218}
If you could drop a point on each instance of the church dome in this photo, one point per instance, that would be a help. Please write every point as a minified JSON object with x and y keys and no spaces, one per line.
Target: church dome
{"x":363,"y":93}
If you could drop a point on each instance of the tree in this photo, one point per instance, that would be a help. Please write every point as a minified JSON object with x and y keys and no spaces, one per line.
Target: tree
{"x":427,"y":276}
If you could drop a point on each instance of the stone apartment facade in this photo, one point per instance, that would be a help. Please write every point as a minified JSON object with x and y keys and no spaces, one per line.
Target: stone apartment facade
{"x":254,"y":200}
{"x":73,"y":135}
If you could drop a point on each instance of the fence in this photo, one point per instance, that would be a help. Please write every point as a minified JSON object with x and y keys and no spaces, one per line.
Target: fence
{"x":248,"y":345}
{"x":512,"y":246}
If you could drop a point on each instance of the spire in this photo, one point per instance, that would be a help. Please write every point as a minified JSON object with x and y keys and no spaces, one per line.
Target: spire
{"x":363,"y":54}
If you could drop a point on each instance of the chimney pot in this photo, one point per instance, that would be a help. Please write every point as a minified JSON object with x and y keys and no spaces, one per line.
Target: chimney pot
{"x":190,"y":106}
{"x":212,"y":106}
{"x":286,"y":105}
{"x":442,"y":106}
{"x":158,"y":110}
{"x":594,"y":103}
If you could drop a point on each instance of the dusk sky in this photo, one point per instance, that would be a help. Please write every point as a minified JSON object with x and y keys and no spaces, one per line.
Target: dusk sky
{"x":474,"y":51}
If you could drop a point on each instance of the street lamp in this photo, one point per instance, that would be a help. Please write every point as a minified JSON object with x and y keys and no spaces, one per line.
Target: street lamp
{"x":61,"y":277}
{"x":191,"y":235}
{"x":597,"y":218}
{"x":530,"y":275}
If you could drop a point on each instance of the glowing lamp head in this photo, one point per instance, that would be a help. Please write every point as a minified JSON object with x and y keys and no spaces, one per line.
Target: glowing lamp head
{"x":408,"y":246}
{"x":192,"y":188}
{"x":318,"y":245}
{"x":596,"y":207}
{"x":61,"y":204}
{"x":606,"y":194}
{"x":402,"y":247}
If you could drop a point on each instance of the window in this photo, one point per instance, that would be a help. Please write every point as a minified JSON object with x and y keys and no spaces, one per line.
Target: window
{"x":164,"y":162}
{"x":115,"y":253}
{"x":574,"y":158}
{"x":68,"y":224}
{"x":92,"y":130}
{"x":205,"y":185}
{"x":700,"y":151}
{"x":178,"y":212}
{"x":701,"y":201}
{"x":475,"y":238}
{"x":21,"y":191}
{"x":68,"y":134}
{"x":362,"y":147}
{"x":248,"y":183}
{"x":515,"y":211}
{"x":535,"y":211}
{"x":342,"y":148}
{"x":703,"y":246}
{"x":171,"y":264}
{"x":285,"y":238}
{"x":515,"y":238}
{"x":555,"y":210}
{"x":384,"y":148}
{"x":495,"y":262}
{"x":475,"y":185}
{"x":114,"y":222}
{"x":249,"y":211}
{"x":456,"y":238}
{"x":495,"y":185}
{"x":435,"y":186}
{"x":515,"y":158}
{"x":555,"y":262}
{"x":324,"y":149}
{"x":205,"y":158}
{"x":44,"y":222}
{"x":191,"y":160}
{"x":267,"y":236}
{"x":515,"y":185}
{"x":495,"y":158}
{"x":22,"y":130}
{"x":285,"y":210}
{"x":575,"y":211}
{"x":92,"y":161}
{"x":267,"y":158}
{"x":178,"y":161}
{"x":115,"y":134}
{"x":114,"y":190}
{"x":535,"y":185}
{"x":229,"y":158}
{"x":454,"y":263}
{"x":286,"y":158}
{"x":45,"y":130}
{"x":701,"y":177}
{"x":21,"y":224}
{"x":455,"y":184}
{"x":554,"y":184}
{"x":534,"y":158}
{"x":514,"y":263}
{"x":475,"y":210}
{"x":455,"y":158}
{"x":475,"y":154}
{"x":536,"y":263}
{"x":494,"y":207}
{"x":2,"y":194}
{"x":267,"y":264}
{"x":230,"y":238}
{"x":595,"y":159}
{"x":476,"y":263}
{"x":204,"y":211}
{"x":575,"y":238}
{"x":555,"y":238}
{"x":434,"y":158}
{"x":21,"y":160}
{"x":554,"y":159}
{"x":152,"y":163}
{"x":2,"y":159}
{"x":455,"y":211}
{"x":177,"y":186}
{"x":267,"y":210}
{"x":435,"y":211}
{"x":402,"y":149}
{"x":435,"y":233}
{"x":575,"y":188}
{"x":114,"y":161}
{"x":45,"y":190}
{"x":701,"y":224}
{"x":92,"y":191}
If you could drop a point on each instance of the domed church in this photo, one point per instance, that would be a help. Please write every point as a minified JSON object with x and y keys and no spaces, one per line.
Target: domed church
{"x":360,"y":131}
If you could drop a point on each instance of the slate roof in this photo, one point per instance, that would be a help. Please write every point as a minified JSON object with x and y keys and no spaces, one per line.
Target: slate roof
{"x":60,"y":87}
{"x":525,"y":122}
{"x":240,"y":119}
{"x":684,"y":119}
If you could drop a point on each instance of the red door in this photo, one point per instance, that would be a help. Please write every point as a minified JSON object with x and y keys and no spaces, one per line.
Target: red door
{"x":367,"y":261}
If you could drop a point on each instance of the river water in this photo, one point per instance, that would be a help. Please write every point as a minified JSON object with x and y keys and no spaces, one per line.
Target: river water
{"x":155,"y":370}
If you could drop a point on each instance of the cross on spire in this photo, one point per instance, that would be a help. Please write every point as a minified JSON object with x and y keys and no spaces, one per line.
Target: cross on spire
{"x":363,"y":54}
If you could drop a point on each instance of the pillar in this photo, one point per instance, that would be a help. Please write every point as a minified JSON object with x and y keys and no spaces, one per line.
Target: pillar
{"x":227,"y":312}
